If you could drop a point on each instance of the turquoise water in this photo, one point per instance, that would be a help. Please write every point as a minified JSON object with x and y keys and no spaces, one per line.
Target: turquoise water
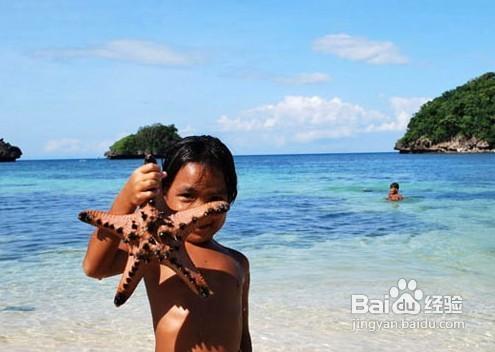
{"x":316,"y":229}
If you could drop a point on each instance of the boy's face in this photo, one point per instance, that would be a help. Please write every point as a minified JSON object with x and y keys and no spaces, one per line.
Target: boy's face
{"x":393,"y":190}
{"x":194,"y":185}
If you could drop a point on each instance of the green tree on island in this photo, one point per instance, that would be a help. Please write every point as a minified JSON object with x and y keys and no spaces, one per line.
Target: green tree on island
{"x":466,"y":112}
{"x":149,"y":139}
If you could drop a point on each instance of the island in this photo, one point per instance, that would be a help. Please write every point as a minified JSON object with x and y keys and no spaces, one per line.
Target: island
{"x":153,"y":139}
{"x":9,"y":152}
{"x":461,"y":120}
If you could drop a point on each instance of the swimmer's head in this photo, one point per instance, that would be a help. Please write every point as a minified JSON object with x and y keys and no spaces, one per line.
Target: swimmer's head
{"x":394,"y":187}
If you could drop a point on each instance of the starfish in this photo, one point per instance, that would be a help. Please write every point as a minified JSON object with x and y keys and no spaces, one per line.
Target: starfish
{"x":155,"y":232}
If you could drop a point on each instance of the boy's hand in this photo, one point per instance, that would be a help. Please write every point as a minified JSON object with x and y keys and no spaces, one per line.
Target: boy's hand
{"x":143,"y":184}
{"x":103,"y":257}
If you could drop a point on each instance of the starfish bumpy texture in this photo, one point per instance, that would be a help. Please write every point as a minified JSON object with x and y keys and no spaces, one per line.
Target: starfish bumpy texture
{"x":155,"y":232}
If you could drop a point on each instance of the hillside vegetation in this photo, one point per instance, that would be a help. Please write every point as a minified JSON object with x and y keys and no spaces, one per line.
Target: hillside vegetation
{"x":462,"y":118}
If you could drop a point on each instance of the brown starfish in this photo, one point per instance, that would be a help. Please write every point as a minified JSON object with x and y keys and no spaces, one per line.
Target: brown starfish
{"x":155,"y":232}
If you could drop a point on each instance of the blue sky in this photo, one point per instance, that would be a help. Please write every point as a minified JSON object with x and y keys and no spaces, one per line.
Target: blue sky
{"x":264,"y":76}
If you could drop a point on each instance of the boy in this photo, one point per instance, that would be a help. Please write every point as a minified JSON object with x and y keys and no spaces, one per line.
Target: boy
{"x":393,"y":193}
{"x":198,"y":170}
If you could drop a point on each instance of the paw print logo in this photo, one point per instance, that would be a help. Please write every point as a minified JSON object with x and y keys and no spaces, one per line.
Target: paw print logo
{"x":408,"y":297}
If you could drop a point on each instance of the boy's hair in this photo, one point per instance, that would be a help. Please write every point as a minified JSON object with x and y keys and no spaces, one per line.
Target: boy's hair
{"x":201,"y":149}
{"x":394,"y":185}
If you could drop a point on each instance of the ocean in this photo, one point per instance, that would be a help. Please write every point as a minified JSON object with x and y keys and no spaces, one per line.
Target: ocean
{"x":318,"y":233}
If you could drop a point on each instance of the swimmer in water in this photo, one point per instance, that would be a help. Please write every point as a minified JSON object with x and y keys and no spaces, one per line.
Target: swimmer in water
{"x":393,"y":193}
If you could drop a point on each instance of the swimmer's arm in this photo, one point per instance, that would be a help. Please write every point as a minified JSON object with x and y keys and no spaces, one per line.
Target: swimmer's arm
{"x":106,"y":254}
{"x":246,"y":336}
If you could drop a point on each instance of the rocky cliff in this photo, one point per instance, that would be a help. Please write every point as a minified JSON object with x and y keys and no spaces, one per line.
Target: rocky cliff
{"x":457,"y":144}
{"x":9,"y":152}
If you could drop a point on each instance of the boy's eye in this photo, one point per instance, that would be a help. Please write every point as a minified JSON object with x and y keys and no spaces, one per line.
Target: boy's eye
{"x":186,"y":195}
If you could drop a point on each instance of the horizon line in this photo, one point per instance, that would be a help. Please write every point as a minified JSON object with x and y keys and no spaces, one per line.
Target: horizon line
{"x":235,"y":155}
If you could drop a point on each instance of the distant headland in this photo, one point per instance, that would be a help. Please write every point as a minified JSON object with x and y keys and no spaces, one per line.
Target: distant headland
{"x":149,"y":139}
{"x":9,"y":152}
{"x":461,"y":120}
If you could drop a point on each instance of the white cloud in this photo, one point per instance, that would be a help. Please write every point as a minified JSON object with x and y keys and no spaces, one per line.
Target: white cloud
{"x":74,"y":146}
{"x":137,"y":51}
{"x":305,"y":119}
{"x":69,"y":145}
{"x":403,"y":109}
{"x":303,"y":78}
{"x":359,"y":49}
{"x":186,"y":131}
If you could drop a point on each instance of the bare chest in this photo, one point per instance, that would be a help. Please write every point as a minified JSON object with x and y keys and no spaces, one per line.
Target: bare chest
{"x":181,"y":316}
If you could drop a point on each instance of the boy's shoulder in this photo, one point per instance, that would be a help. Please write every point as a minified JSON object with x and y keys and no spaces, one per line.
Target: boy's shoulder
{"x":238,"y":256}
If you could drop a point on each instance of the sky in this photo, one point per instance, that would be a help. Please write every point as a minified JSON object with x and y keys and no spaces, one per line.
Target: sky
{"x":266,"y":77}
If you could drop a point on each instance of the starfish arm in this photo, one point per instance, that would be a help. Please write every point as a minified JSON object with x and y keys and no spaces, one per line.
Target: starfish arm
{"x":130,"y":279}
{"x":188,"y":219}
{"x":120,"y":225}
{"x":179,"y":261}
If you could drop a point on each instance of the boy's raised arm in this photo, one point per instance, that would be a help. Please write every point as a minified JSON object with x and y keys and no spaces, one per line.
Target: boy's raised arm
{"x":106,"y":255}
